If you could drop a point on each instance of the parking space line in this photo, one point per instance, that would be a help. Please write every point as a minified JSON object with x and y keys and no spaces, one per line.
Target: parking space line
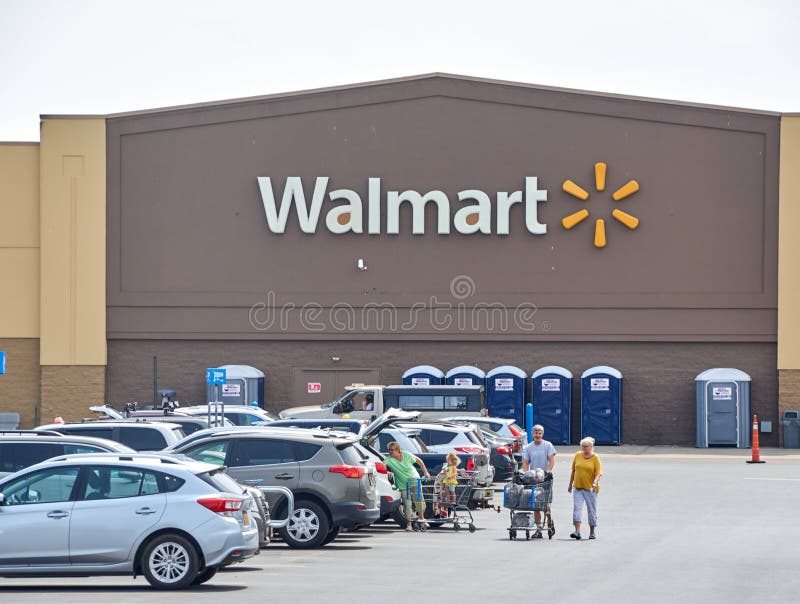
{"x":759,"y":478}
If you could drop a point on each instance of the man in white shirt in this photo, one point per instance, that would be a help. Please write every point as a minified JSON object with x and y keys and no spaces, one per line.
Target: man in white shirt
{"x":538,"y":453}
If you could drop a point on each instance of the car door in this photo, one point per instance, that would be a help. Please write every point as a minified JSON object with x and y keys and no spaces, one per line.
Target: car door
{"x":125,"y":502}
{"x":35,"y":518}
{"x":264,"y":462}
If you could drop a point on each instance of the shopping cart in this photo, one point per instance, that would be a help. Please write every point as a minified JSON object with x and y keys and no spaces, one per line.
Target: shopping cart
{"x":523,"y":500}
{"x":450,"y":507}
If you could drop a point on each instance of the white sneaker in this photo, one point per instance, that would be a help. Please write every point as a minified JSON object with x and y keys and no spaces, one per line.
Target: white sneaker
{"x":408,"y":527}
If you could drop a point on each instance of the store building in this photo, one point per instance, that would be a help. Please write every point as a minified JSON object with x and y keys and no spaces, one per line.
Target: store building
{"x":347,"y":234}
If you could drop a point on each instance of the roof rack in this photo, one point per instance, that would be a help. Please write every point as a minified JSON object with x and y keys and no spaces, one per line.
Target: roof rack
{"x":176,"y":459}
{"x":33,"y":432}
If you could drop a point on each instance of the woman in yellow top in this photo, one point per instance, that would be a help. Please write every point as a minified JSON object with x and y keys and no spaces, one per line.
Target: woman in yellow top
{"x":585,"y":477}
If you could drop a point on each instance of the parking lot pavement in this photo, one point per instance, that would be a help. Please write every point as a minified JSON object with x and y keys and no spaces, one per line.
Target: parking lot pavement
{"x":675,"y":525}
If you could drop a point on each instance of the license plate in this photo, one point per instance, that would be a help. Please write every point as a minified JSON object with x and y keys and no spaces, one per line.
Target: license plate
{"x":245,"y":518}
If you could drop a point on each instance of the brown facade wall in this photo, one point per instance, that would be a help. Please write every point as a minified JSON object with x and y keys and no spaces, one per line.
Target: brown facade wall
{"x":185,"y":181}
{"x":68,"y":391}
{"x":19,"y":386}
{"x":658,"y":387}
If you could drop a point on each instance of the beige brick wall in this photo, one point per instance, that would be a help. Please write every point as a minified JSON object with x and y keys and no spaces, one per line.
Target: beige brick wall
{"x":68,"y":391}
{"x":19,"y":386}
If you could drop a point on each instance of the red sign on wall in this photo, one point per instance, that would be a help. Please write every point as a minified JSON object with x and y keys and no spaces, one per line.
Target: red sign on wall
{"x":314,"y":387}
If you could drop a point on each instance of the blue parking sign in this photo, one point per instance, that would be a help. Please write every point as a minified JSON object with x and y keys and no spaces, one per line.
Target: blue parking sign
{"x":215,"y":376}
{"x":2,"y":362}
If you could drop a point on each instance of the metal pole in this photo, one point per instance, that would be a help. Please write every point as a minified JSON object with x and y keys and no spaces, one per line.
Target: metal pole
{"x":529,"y":421}
{"x":155,"y":380}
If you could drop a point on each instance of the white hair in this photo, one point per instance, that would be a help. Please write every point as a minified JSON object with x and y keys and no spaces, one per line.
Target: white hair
{"x":538,"y":427}
{"x":587,"y":441}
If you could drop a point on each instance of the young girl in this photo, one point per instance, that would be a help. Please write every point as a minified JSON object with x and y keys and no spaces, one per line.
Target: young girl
{"x":450,"y":479}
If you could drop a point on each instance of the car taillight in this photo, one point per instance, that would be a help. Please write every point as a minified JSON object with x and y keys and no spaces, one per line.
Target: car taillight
{"x":504,"y":450}
{"x":380,"y":467}
{"x":515,"y":431}
{"x":470,"y":465}
{"x":470,"y":450}
{"x":221,"y":505}
{"x":348,"y":471}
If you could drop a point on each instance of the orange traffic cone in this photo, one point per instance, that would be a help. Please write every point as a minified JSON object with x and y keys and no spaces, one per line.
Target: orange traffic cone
{"x":756,"y":456}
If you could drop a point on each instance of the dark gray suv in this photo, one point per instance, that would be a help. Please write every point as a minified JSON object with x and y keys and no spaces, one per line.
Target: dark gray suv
{"x":332,"y":487}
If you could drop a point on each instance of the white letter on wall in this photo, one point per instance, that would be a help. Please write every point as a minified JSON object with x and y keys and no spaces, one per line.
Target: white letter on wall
{"x":473,"y":218}
{"x":417,"y":201}
{"x":533,"y":197}
{"x":343,"y":219}
{"x":292,"y":193}
{"x":504,"y":203}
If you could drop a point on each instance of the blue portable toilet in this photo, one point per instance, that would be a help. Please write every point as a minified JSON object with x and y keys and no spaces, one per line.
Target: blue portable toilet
{"x":601,"y":405}
{"x":423,"y":375}
{"x":723,"y":408}
{"x":552,"y":402}
{"x":243,"y":385}
{"x":465,"y":375}
{"x":505,"y":393}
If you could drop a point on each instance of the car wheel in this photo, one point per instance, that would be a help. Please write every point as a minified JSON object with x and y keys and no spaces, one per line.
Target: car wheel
{"x":169,"y":562}
{"x":334,"y":532}
{"x":205,"y":575}
{"x":307,"y":527}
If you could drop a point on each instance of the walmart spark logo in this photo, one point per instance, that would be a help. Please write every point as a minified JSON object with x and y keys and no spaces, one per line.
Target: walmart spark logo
{"x":624,"y":191}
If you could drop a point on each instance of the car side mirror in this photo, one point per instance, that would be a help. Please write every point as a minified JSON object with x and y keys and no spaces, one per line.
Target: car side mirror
{"x":2,"y":499}
{"x":337,"y":408}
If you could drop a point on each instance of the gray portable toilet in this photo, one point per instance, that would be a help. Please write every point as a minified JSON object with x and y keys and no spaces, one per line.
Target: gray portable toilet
{"x":465,"y":375}
{"x":723,"y":408}
{"x":423,"y":375}
{"x":243,"y":385}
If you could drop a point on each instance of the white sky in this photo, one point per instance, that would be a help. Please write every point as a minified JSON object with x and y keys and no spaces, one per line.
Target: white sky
{"x":107,"y":56}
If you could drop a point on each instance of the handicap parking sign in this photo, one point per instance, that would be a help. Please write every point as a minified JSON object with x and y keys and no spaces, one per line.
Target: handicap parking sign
{"x":215,"y":376}
{"x":2,"y":362}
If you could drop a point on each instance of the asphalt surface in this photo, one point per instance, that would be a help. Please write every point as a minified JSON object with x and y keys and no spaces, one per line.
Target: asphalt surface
{"x":675,"y":525}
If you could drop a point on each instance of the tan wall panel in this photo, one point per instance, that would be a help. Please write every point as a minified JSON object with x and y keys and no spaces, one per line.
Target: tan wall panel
{"x":19,"y":195}
{"x":789,"y":246}
{"x":19,"y":385}
{"x":73,"y":188}
{"x":19,"y":240}
{"x":19,"y":302}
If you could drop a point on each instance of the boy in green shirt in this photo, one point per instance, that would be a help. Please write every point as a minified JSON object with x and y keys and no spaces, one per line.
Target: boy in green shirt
{"x":406,"y":477}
